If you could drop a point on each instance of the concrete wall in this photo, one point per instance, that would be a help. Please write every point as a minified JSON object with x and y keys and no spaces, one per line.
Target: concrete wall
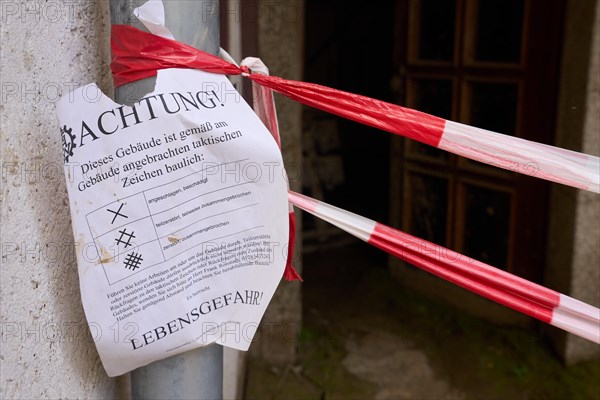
{"x":280,"y":46}
{"x":47,"y":351}
{"x":574,"y":230}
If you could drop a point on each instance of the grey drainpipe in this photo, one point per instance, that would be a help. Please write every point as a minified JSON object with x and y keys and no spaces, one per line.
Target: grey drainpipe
{"x":196,"y":374}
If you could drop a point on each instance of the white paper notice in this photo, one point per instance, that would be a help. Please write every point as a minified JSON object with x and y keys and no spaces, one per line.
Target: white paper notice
{"x":180,"y":216}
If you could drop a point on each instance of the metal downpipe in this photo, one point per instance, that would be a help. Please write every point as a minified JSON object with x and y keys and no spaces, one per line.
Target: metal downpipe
{"x":196,"y":374}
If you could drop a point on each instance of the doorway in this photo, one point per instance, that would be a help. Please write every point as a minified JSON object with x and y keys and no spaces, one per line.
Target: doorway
{"x":491,"y":64}
{"x":347,"y":47}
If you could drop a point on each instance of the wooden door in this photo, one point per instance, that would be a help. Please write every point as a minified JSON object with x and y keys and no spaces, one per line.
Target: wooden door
{"x":492,"y":64}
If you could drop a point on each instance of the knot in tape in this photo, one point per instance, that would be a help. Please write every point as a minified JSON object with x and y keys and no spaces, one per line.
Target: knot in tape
{"x":245,"y":70}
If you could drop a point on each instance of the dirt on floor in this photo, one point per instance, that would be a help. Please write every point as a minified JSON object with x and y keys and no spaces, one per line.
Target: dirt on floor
{"x":365,"y":336}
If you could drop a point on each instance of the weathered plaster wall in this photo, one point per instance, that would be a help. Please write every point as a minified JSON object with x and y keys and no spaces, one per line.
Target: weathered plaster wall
{"x":280,"y":46}
{"x":574,"y":230}
{"x":47,"y":351}
{"x":586,"y":259}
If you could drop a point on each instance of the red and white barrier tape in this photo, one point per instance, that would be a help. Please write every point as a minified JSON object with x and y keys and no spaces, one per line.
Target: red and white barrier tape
{"x":137,"y":55}
{"x":500,"y":286}
{"x":264,"y":107}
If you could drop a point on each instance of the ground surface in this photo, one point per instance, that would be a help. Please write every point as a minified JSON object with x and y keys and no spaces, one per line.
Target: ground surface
{"x":367,"y":337}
